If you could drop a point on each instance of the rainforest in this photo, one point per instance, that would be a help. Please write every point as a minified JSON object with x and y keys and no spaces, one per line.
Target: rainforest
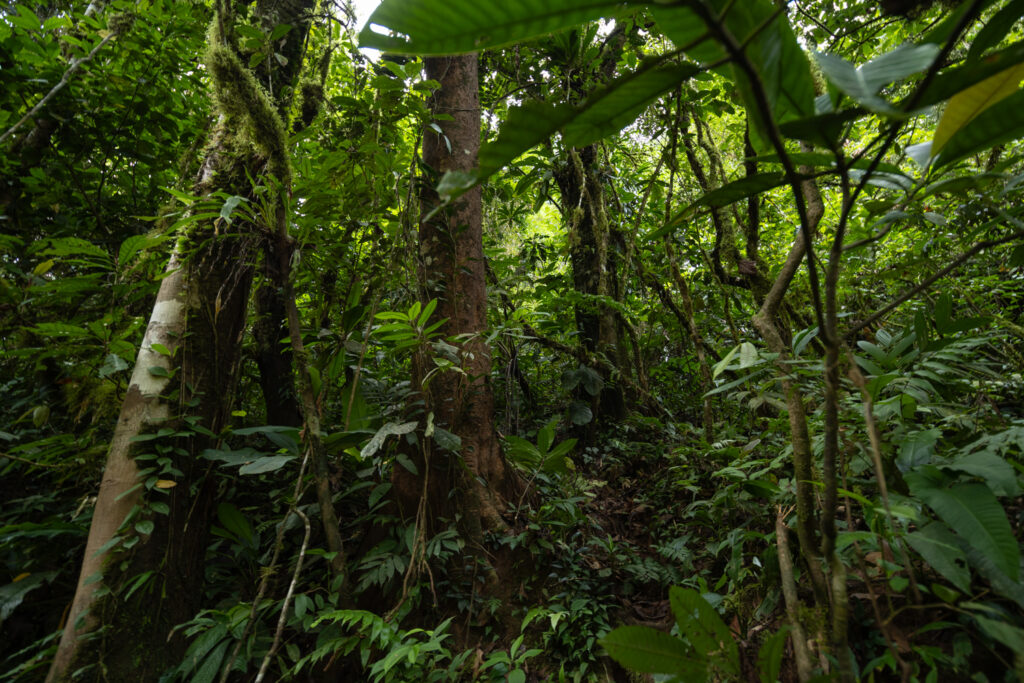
{"x":547,"y":340}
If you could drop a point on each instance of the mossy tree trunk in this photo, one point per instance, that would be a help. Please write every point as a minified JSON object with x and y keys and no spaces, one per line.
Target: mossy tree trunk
{"x":184,"y":378}
{"x":592,"y":258}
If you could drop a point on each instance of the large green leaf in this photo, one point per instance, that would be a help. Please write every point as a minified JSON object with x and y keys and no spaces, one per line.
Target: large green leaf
{"x":770,"y":46}
{"x":1001,"y":23}
{"x":702,"y":626}
{"x":603,"y":113}
{"x":940,"y":549}
{"x":863,"y":83}
{"x":965,"y":106}
{"x":456,"y":26}
{"x":951,"y":81}
{"x":973,"y":512}
{"x":739,"y":189}
{"x":997,"y":125}
{"x":646,"y":650}
{"x":617,"y":105}
{"x":997,"y":473}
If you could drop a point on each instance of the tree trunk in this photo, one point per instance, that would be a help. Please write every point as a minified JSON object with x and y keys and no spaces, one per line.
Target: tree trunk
{"x":593,"y":269}
{"x":451,"y":254}
{"x":199,"y":317}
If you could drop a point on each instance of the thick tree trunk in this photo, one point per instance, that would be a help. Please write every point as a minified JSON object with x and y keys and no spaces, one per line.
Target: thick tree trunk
{"x":451,"y":254}
{"x":199,"y":318}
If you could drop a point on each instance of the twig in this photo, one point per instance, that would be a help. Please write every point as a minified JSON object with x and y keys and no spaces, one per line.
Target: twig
{"x":287,"y":599}
{"x":75,"y":64}
{"x":925,"y":284}
{"x":33,"y":462}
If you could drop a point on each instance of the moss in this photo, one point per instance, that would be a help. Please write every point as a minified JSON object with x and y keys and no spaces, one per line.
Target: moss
{"x":311,"y":98}
{"x":242,"y":99}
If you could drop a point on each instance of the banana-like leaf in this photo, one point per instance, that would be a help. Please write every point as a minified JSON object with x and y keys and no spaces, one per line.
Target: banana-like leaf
{"x":458,"y":26}
{"x":1000,"y":123}
{"x":964,"y":107}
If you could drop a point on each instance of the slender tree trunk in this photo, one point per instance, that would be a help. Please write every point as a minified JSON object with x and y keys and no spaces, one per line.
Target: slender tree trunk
{"x":143,"y":409}
{"x":593,"y":268}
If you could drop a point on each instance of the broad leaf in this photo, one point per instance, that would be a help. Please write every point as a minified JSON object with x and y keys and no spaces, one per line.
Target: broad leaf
{"x":457,"y":26}
{"x":863,"y":83}
{"x":603,"y":113}
{"x":702,"y":626}
{"x":973,"y":512}
{"x":737,"y":190}
{"x":964,"y":107}
{"x":952,"y":81}
{"x":996,"y":29}
{"x":269,"y":463}
{"x":646,"y":650}
{"x":997,"y":473}
{"x":940,"y":549}
{"x":390,"y":429}
{"x":616,"y":106}
{"x":769,"y":45}
{"x":1000,"y":123}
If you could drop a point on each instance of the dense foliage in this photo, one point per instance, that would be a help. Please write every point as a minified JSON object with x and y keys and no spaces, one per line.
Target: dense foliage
{"x":709,"y":365}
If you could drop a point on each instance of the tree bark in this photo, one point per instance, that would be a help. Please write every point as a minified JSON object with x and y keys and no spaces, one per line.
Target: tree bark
{"x":451,"y":254}
{"x":199,"y":317}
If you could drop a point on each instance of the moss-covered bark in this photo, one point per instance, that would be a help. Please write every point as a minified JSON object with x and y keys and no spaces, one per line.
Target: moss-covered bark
{"x":200,"y":315}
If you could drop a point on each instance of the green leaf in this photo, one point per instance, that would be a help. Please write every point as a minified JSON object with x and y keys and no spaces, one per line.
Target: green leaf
{"x":997,"y":473}
{"x":917,"y":448}
{"x":390,"y":429}
{"x":207,"y":673}
{"x":230,"y":204}
{"x":617,"y":105}
{"x":646,"y":650}
{"x":232,"y":519}
{"x":940,"y":549}
{"x":60,"y":330}
{"x":1007,"y":634}
{"x":580,"y":413}
{"x":721,"y":365}
{"x":973,"y":512}
{"x":458,"y":26}
{"x":1000,"y":123}
{"x":863,"y":83}
{"x":603,"y":113}
{"x":965,"y":106}
{"x":996,"y":29}
{"x":747,"y":186}
{"x":145,"y":527}
{"x":769,"y":657}
{"x":268,"y":463}
{"x":770,"y":46}
{"x":703,"y":627}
